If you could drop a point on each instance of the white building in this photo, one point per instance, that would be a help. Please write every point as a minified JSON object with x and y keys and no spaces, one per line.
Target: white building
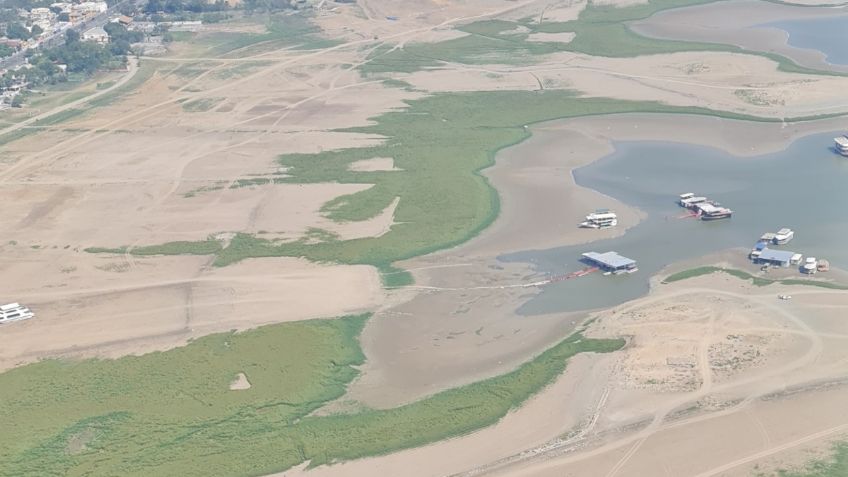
{"x":92,"y":7}
{"x":96,"y":34}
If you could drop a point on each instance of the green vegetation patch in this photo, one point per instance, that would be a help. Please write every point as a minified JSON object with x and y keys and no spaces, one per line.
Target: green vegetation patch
{"x":600,"y":30}
{"x":755,"y":280}
{"x":201,"y":105}
{"x":135,"y":414}
{"x":440,"y":143}
{"x":205,"y":247}
{"x":281,"y":30}
{"x":836,"y":466}
{"x":172,"y":413}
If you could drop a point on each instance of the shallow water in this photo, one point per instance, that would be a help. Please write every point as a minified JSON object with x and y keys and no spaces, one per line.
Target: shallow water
{"x":803,"y":187}
{"x":828,"y":35}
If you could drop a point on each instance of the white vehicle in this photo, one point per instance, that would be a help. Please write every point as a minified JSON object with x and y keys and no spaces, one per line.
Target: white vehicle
{"x":785,"y":297}
{"x":14,"y":312}
{"x":810,"y":266}
{"x":600,"y":219}
{"x":783,"y":236}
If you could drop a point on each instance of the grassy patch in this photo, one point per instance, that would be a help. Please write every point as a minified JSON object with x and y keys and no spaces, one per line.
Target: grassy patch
{"x":755,"y":280}
{"x":146,"y":69}
{"x":201,"y":105}
{"x":204,"y":247}
{"x":441,"y":143}
{"x":281,"y":30}
{"x":836,"y":466}
{"x":600,"y":30}
{"x":171,"y":413}
{"x":58,"y":117}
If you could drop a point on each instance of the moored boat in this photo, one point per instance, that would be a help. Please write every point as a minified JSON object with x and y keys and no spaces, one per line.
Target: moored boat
{"x":841,"y":144}
{"x":783,"y":236}
{"x":713,"y":212}
{"x":810,"y":266}
{"x":690,"y":200}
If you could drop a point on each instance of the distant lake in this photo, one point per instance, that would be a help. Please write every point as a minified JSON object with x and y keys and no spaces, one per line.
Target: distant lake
{"x":803,"y":187}
{"x":828,"y":35}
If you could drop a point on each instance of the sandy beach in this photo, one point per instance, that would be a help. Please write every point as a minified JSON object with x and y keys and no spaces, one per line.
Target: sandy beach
{"x":713,"y":356}
{"x":421,"y":346}
{"x":740,"y":23}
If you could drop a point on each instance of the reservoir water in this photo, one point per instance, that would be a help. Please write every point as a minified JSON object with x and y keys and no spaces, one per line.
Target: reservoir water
{"x":803,"y":187}
{"x":828,"y":35}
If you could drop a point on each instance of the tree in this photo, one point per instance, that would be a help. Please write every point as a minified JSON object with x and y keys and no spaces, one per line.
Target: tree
{"x":64,"y":17}
{"x":36,"y":31}
{"x":72,"y":36}
{"x":16,"y":31}
{"x":6,"y":51}
{"x":17,"y":101}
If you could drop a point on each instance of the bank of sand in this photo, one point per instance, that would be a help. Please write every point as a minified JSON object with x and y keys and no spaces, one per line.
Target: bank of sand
{"x":719,"y":376}
{"x":741,"y":23}
{"x":455,"y":332}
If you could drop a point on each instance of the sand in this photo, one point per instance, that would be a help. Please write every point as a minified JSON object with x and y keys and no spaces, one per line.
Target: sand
{"x":421,"y":346}
{"x":377,"y":164}
{"x":95,"y":305}
{"x":551,"y":37}
{"x":740,"y":83}
{"x":240,"y":383}
{"x":741,"y":23}
{"x":146,"y":169}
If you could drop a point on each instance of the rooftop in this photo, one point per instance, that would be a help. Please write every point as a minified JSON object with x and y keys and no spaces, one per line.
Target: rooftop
{"x":776,"y":255}
{"x":610,"y":259}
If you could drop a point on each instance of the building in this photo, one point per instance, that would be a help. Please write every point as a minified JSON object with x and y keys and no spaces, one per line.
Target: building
{"x":96,"y":34}
{"x":125,"y":20}
{"x":93,"y":8}
{"x":610,"y":262}
{"x":776,"y":258}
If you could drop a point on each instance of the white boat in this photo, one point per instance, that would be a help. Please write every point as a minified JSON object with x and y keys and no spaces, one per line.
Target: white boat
{"x":600,"y":219}
{"x":713,"y":212}
{"x":841,"y":144}
{"x":14,"y":312}
{"x":810,"y":266}
{"x":690,"y":200}
{"x":783,"y":236}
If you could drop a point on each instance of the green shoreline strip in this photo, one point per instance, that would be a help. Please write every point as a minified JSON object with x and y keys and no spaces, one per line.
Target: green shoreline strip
{"x":755,"y":280}
{"x":171,"y":413}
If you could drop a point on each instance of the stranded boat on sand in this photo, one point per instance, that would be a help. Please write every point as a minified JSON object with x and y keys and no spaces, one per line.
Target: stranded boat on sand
{"x":14,"y":312}
{"x":600,"y":219}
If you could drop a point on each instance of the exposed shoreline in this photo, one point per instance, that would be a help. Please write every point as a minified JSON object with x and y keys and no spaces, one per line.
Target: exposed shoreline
{"x":741,"y":23}
{"x":413,"y":349}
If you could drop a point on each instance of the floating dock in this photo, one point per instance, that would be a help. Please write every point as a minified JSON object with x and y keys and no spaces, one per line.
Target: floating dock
{"x":610,"y":262}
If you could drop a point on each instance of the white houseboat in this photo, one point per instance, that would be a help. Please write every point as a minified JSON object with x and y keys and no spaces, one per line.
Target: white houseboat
{"x":713,"y":212}
{"x":841,"y":144}
{"x":600,"y":219}
{"x":783,"y":236}
{"x":14,"y":312}
{"x":690,"y":200}
{"x":810,"y":266}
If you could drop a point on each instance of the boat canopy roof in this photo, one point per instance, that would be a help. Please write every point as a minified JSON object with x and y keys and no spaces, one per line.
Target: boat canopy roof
{"x":605,"y":215}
